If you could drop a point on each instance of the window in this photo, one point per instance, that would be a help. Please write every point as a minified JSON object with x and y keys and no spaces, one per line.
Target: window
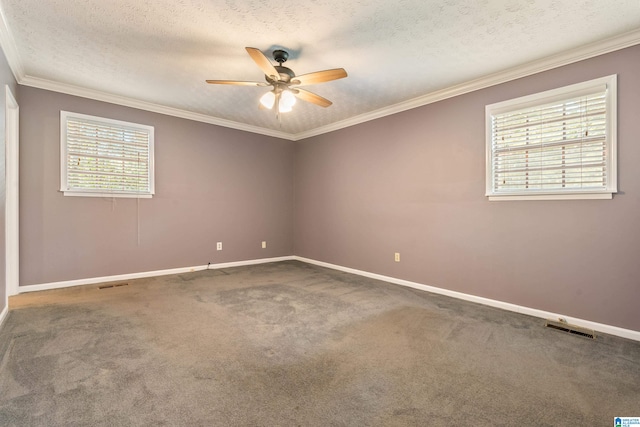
{"x":559,"y":144}
{"x":105,"y":158}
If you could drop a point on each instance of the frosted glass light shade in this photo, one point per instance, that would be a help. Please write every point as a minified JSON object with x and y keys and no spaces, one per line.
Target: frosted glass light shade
{"x":287,"y":101}
{"x":268,"y":99}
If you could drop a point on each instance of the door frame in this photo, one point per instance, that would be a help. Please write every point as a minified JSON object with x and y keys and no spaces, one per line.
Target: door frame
{"x":12,"y":233}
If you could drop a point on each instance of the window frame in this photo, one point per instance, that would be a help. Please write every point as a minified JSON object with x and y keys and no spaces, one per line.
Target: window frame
{"x":64,"y":116}
{"x":564,"y":93}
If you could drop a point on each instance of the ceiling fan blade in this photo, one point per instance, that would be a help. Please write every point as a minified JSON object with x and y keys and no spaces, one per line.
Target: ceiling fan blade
{"x":319,"y":77}
{"x":261,"y":61}
{"x":235,"y":82}
{"x":305,"y":95}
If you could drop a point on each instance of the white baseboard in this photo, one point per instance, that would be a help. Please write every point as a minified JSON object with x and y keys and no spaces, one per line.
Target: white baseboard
{"x":600,"y":327}
{"x":3,"y":314}
{"x":122,"y":277}
{"x":607,"y":329}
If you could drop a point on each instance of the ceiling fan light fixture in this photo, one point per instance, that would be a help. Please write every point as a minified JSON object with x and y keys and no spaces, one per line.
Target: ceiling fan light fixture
{"x":287,"y":101}
{"x":281,"y":79}
{"x":268,"y":99}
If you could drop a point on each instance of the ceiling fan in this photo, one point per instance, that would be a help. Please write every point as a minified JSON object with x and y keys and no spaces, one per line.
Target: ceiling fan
{"x":284,"y":82}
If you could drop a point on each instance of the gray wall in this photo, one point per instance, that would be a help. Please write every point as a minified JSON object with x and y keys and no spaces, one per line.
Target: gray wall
{"x":414,"y":183}
{"x":411,"y":183}
{"x":212,"y":184}
{"x":6,"y":78}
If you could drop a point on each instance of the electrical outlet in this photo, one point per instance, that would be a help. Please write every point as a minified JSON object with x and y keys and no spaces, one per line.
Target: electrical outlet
{"x":264,"y":244}
{"x":397,"y":257}
{"x":219,"y":246}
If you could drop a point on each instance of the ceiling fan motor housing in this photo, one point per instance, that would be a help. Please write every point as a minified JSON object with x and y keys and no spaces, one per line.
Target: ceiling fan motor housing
{"x":286,"y":74}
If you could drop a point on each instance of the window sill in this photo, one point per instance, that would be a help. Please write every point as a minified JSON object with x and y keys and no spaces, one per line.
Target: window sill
{"x":107,"y":195}
{"x":572,"y":196}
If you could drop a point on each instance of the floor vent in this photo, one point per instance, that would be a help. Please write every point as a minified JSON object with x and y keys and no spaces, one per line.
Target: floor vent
{"x":114,"y":285}
{"x":571,"y":329}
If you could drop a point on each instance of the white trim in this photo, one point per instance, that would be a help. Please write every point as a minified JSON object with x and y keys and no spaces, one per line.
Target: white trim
{"x":612,"y":131}
{"x":592,"y":50}
{"x":145,"y":106}
{"x":608,"y":329}
{"x":131,"y":276}
{"x":3,"y":314}
{"x":149,"y":131}
{"x":602,"y":47}
{"x":8,"y":44}
{"x":12,"y":205}
{"x":107,"y":195}
{"x":575,"y":196}
{"x":606,"y":85}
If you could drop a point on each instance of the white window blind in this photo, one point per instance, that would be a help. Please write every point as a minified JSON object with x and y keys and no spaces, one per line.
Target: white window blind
{"x":557,"y":142}
{"x":104,"y":157}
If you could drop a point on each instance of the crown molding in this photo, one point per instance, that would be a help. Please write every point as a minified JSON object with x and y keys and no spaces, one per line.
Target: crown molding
{"x":8,"y":44}
{"x":146,"y":106}
{"x":592,"y":50}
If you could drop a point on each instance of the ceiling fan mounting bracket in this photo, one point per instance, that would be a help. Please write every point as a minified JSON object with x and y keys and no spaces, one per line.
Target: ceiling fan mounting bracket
{"x":280,"y":56}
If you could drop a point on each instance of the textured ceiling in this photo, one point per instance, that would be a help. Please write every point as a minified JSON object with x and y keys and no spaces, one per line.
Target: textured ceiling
{"x":161,"y":51}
